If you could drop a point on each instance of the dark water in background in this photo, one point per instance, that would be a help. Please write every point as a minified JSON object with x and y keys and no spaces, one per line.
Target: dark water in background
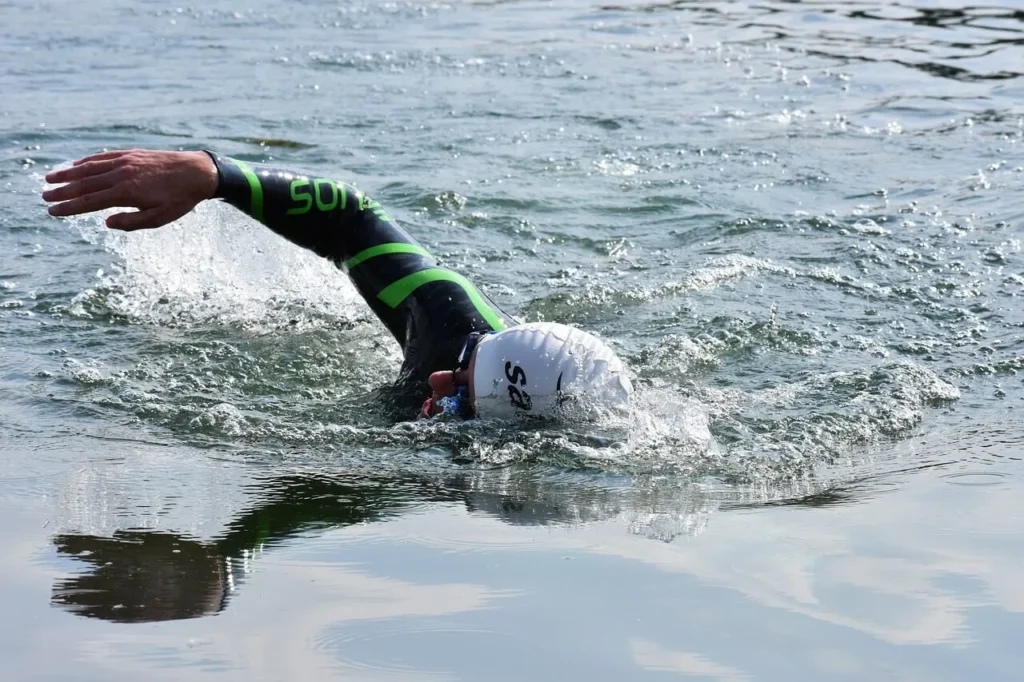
{"x":799,"y":222}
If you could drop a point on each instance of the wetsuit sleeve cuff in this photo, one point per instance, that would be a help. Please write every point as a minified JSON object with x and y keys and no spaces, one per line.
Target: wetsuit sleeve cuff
{"x":232,"y":184}
{"x":220,"y":175}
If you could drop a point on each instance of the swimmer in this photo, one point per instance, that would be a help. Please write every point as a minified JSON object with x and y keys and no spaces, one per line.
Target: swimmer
{"x":463,"y":355}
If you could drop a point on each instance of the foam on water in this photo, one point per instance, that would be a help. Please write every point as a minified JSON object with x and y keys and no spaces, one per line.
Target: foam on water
{"x":215,"y":266}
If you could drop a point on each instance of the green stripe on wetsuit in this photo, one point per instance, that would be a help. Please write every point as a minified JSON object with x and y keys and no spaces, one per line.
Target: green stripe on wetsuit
{"x":385,"y":249}
{"x":256,"y":210}
{"x":396,"y":292}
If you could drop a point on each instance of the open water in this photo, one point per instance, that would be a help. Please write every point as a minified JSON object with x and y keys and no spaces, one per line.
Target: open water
{"x":799,"y":222}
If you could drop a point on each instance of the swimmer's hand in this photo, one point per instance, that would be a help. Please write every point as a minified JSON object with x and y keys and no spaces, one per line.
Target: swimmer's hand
{"x":162,"y":185}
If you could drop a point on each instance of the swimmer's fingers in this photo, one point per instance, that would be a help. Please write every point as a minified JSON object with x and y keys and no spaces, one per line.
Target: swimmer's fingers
{"x":81,"y":186}
{"x":87,"y":203}
{"x":80,"y":171}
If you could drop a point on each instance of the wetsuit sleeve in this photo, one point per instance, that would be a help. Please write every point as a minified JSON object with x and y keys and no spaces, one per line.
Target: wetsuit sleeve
{"x":321,"y":214}
{"x":428,"y":308}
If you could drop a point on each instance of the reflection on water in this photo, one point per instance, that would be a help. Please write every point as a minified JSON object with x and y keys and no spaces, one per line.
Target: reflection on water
{"x":137,"y":575}
{"x":891,"y":578}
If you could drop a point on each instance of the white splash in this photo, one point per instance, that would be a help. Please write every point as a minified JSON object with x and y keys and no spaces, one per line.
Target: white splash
{"x":216,"y":265}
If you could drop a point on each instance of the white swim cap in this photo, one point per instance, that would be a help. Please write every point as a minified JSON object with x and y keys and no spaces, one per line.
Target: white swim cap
{"x":547,"y":369}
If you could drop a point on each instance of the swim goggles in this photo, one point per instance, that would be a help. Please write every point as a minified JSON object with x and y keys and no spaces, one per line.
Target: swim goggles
{"x":466,"y":354}
{"x":458,"y":404}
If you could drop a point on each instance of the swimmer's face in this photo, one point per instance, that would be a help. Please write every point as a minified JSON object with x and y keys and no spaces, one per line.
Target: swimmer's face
{"x":445,"y":384}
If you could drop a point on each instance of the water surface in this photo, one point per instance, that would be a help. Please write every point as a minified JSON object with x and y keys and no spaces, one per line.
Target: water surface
{"x":798,"y":222}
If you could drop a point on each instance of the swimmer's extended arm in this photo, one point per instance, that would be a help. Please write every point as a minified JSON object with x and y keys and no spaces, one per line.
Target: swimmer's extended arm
{"x":326,"y":216}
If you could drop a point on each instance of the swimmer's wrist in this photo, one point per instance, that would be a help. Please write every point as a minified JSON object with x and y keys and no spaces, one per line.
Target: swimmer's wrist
{"x":214,"y":174}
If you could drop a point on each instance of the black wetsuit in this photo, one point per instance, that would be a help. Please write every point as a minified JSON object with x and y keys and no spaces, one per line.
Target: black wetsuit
{"x":428,"y":308}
